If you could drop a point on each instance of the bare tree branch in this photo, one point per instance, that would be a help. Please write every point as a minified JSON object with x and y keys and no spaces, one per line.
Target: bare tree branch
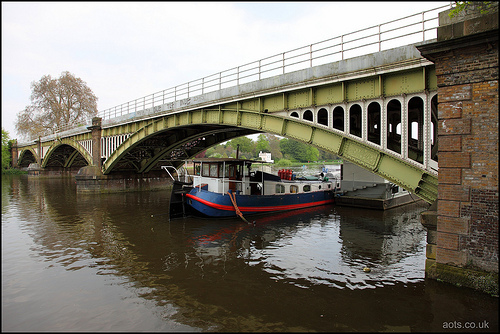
{"x":56,"y":103}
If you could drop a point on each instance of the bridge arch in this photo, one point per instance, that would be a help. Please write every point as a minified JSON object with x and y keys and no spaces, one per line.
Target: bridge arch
{"x":191,"y":132}
{"x":27,"y":156}
{"x":154,"y":143}
{"x":55,"y":156}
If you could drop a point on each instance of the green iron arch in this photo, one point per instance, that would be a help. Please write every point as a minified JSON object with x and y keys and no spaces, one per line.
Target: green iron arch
{"x":72,"y":143}
{"x":188,"y":140}
{"x":23,"y":153}
{"x":390,"y":167}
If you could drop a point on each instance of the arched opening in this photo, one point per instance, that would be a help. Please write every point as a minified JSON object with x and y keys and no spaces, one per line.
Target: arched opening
{"x":374,"y":123}
{"x":294,"y":114}
{"x":308,"y":115}
{"x":323,"y":116}
{"x":26,"y":158}
{"x":338,"y":118}
{"x":65,"y":156}
{"x":355,"y":120}
{"x":394,"y":126}
{"x":434,"y":127}
{"x":416,"y":129}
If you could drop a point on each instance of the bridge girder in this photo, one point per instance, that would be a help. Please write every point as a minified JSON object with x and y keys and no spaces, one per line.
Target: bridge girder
{"x":237,"y":122}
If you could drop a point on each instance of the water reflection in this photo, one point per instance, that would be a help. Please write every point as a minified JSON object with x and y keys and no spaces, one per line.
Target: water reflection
{"x":102,"y":263}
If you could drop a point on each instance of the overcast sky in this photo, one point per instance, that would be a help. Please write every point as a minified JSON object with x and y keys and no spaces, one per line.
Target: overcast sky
{"x":127,"y":50}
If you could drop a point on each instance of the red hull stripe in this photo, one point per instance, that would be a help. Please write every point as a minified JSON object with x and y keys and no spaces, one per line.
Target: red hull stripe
{"x":260,"y":208}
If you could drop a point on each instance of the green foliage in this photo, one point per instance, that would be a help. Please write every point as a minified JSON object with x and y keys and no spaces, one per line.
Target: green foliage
{"x":13,"y":171}
{"x":298,"y":151}
{"x":5,"y":150}
{"x":283,"y":151}
{"x":326,"y":156}
{"x":262,"y":144}
{"x":246,"y":144}
{"x":219,"y":151}
{"x":274,"y":146}
{"x":484,"y":7}
{"x":283,"y":163}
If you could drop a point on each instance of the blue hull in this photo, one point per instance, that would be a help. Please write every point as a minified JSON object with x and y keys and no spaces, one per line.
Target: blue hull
{"x":218,"y":205}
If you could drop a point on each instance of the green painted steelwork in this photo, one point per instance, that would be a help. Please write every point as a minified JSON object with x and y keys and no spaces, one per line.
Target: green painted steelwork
{"x":267,"y":113}
{"x":70,"y":142}
{"x":26,"y":150}
{"x":389,"y":167}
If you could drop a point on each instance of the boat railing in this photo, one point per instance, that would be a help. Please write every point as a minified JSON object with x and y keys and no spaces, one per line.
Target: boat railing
{"x":179,"y":172}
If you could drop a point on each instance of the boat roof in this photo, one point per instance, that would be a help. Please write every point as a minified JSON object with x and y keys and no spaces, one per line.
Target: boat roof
{"x":231,"y":160}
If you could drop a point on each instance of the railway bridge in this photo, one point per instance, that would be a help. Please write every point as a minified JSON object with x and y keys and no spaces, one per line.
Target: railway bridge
{"x":378,"y":111}
{"x":356,"y":95}
{"x":382,"y":107}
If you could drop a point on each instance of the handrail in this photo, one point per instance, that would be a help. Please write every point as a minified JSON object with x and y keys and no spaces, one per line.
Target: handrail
{"x":166,"y":169}
{"x":287,"y":62}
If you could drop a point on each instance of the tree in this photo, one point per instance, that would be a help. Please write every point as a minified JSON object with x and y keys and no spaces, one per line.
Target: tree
{"x":262,"y":144}
{"x":218,"y":151}
{"x":274,"y":146}
{"x":246,"y":145}
{"x":298,"y":151}
{"x":324,"y":155}
{"x":5,"y":150}
{"x":56,"y":104}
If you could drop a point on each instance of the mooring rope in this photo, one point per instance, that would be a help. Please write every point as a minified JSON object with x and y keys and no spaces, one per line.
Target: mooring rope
{"x":236,"y":209}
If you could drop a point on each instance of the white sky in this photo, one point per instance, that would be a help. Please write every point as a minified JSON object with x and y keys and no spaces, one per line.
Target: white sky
{"x":127,"y":50}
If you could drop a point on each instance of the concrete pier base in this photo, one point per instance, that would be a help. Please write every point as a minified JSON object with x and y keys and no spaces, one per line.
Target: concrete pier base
{"x":34,"y":169}
{"x":375,"y":203}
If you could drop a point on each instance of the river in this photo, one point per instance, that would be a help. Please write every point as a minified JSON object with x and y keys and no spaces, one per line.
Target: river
{"x":75,"y":262}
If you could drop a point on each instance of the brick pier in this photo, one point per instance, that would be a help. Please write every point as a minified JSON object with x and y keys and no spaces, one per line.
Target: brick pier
{"x":463,"y":231}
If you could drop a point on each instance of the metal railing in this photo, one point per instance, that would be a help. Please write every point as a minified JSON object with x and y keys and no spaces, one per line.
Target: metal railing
{"x":403,"y":31}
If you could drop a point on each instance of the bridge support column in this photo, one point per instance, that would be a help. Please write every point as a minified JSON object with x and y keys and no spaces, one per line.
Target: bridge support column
{"x":14,"y":154}
{"x":39,"y":151}
{"x":466,"y":216}
{"x":35,"y":169}
{"x":96,"y":141}
{"x":90,"y":178}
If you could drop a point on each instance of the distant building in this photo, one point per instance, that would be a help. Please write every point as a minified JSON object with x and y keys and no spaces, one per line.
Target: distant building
{"x":266,"y":157}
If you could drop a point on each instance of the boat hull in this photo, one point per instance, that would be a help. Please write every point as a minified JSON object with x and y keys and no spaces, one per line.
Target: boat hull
{"x":213,"y":204}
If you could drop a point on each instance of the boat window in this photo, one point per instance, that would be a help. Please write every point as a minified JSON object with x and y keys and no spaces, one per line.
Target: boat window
{"x":294,"y":189}
{"x":280,"y":188}
{"x":230,"y":171}
{"x":213,"y":170}
{"x":306,"y":188}
{"x":206,"y":169}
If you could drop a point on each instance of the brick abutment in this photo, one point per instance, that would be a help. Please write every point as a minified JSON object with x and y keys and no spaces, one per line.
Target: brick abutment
{"x":463,"y":229}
